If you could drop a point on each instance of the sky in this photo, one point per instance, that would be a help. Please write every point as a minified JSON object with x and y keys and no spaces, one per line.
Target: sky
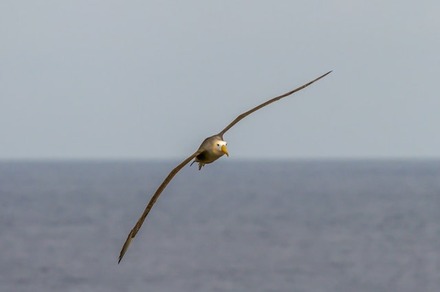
{"x":151,"y":79}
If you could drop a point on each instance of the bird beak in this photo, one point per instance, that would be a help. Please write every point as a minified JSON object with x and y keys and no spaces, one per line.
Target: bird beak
{"x":225,"y":150}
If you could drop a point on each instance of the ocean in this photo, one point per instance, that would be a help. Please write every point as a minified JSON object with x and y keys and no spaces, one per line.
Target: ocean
{"x":233,"y":226}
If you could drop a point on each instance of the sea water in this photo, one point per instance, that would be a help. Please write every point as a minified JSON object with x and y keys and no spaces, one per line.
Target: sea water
{"x":233,"y":226}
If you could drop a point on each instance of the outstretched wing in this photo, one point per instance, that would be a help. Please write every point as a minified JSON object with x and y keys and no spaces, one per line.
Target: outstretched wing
{"x":245,"y":114}
{"x":153,"y":199}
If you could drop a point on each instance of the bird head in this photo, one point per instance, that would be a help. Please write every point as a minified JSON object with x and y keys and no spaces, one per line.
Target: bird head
{"x":220,"y":147}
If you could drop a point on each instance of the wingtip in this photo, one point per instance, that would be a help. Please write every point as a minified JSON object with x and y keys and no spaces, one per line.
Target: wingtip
{"x":121,"y":255}
{"x":327,"y":73}
{"x":125,"y":246}
{"x":320,"y":77}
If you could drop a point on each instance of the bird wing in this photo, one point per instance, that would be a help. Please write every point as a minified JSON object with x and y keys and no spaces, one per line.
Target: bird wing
{"x":245,"y":114}
{"x":153,"y":199}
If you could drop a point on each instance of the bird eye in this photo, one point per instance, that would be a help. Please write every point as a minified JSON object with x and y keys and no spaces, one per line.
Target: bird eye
{"x":218,"y":145}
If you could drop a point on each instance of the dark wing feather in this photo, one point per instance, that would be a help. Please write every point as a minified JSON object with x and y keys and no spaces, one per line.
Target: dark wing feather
{"x":245,"y":114}
{"x":153,"y":199}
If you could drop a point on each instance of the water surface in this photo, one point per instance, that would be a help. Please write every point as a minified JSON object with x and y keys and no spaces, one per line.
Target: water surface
{"x":234,"y":226}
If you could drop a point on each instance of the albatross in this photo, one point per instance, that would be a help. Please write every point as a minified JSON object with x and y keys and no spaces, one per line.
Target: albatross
{"x":211,"y":149}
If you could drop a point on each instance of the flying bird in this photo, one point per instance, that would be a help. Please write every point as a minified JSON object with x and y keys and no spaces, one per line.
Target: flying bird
{"x":211,"y":149}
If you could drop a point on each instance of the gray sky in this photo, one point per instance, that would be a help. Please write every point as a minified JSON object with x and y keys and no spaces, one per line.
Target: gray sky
{"x":152,"y":79}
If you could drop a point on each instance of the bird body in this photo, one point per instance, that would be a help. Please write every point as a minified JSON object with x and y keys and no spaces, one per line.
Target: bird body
{"x":211,"y":149}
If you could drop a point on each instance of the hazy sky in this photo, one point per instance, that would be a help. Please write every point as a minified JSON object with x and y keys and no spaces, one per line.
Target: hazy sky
{"x":152,"y":79}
